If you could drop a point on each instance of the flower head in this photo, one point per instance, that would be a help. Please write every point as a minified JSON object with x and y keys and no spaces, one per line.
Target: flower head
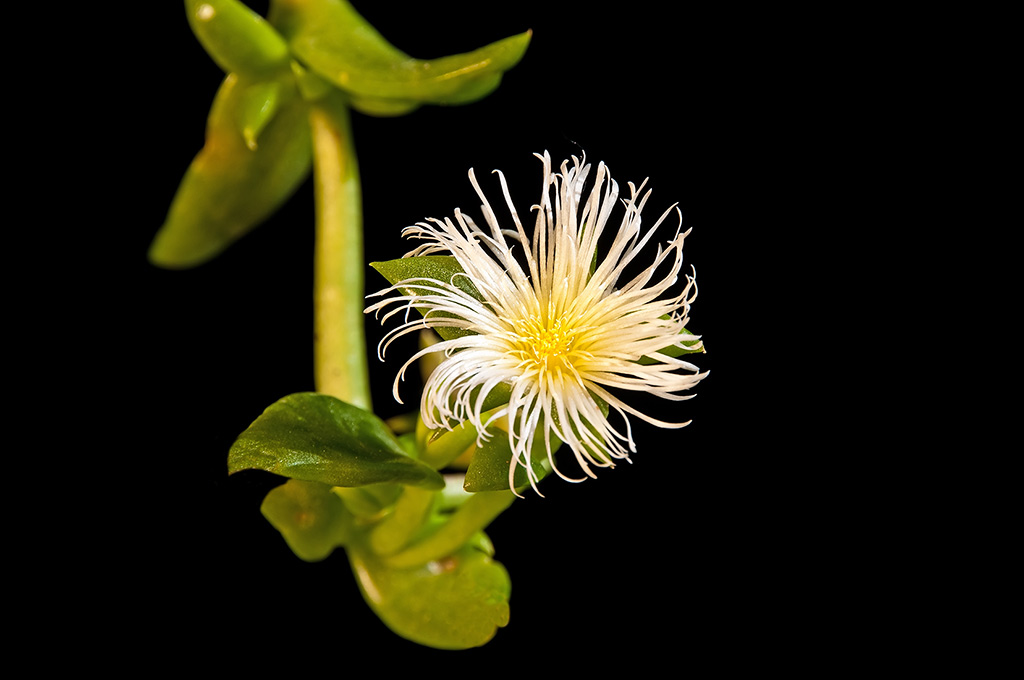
{"x":553,"y":323}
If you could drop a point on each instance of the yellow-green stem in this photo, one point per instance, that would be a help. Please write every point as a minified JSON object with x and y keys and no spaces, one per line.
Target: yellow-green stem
{"x":396,"y":530}
{"x":473,"y":515}
{"x":339,"y":342}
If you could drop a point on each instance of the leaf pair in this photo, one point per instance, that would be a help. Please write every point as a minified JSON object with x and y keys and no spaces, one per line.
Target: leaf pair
{"x":258,"y":149}
{"x":427,"y":572}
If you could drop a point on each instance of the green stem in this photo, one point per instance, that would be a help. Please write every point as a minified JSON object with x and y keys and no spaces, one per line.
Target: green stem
{"x":396,"y":530}
{"x":339,"y":343}
{"x":472,"y":516}
{"x":441,"y":451}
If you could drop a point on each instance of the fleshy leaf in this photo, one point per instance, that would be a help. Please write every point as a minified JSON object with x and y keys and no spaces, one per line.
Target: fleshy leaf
{"x":331,"y":38}
{"x":312,"y":520}
{"x":444,"y":268}
{"x":229,"y":188}
{"x":383,"y":108}
{"x":317,"y":438}
{"x":454,"y":603}
{"x":238,"y":39}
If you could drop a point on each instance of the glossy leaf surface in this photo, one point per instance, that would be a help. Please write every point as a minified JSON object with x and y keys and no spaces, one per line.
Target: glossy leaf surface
{"x":312,"y":519}
{"x":317,"y":438}
{"x":230,"y":188}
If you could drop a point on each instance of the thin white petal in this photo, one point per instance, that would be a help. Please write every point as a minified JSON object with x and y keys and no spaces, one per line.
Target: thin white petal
{"x":557,"y":333}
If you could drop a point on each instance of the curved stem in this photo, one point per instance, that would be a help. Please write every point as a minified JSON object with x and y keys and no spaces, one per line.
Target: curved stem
{"x":339,"y":343}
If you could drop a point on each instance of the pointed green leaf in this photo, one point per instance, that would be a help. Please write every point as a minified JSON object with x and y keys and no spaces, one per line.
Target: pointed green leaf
{"x":445,"y":447}
{"x":312,"y":520}
{"x":331,"y":38}
{"x":438,"y":267}
{"x":238,"y":39}
{"x":457,"y":602}
{"x":229,"y":188}
{"x":317,"y":438}
{"x":488,"y":468}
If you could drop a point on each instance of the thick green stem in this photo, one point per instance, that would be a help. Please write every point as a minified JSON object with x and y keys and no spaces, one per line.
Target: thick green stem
{"x":339,"y":341}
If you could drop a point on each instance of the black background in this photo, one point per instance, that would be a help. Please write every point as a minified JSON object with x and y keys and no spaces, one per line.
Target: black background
{"x":717,"y":545}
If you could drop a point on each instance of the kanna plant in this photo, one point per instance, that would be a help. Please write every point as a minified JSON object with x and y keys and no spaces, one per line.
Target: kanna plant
{"x":542,"y":331}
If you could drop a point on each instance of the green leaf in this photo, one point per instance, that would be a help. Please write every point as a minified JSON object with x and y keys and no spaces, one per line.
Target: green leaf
{"x":445,"y":447}
{"x":443,"y":268}
{"x":331,"y":38}
{"x":312,"y":520}
{"x":230,"y":188}
{"x":238,"y":39}
{"x":382,"y":108}
{"x":457,"y":602}
{"x":488,"y":468}
{"x":317,"y":438}
{"x":438,"y":267}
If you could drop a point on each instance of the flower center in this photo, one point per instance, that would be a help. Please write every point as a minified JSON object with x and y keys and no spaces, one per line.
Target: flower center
{"x":539,"y":341}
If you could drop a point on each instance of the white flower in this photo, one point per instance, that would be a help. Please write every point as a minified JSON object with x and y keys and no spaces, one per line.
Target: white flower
{"x":560,"y":336}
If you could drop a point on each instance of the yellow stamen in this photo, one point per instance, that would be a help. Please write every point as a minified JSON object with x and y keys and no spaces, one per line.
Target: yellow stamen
{"x":539,"y":341}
